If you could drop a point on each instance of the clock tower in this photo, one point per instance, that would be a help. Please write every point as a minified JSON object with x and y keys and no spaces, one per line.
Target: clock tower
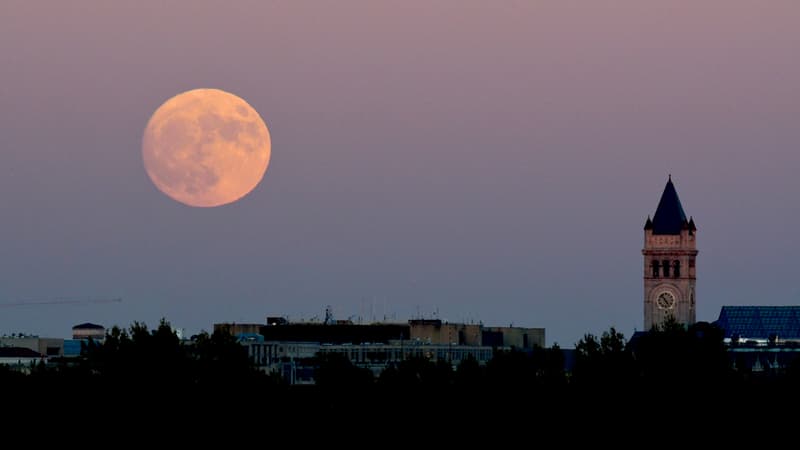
{"x":669,"y":262}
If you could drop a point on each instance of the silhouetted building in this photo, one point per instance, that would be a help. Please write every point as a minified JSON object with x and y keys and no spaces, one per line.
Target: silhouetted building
{"x":431,"y":331}
{"x":295,"y":361}
{"x":276,"y":320}
{"x":428,"y":331}
{"x":289,"y":348}
{"x":239,"y":329}
{"x":335,"y":333}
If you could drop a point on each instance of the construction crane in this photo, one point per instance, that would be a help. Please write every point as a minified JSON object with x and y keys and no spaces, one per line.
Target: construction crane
{"x":60,"y":301}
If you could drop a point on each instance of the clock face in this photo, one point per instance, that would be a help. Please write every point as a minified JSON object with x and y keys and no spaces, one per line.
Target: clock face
{"x":665,"y":300}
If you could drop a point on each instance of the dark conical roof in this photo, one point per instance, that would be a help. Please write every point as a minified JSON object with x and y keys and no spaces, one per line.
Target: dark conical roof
{"x":649,"y":224}
{"x":669,"y":217}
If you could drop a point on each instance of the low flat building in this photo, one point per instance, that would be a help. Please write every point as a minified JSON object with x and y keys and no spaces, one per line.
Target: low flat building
{"x":43,"y":346}
{"x":294,"y":360}
{"x":288,"y":348}
{"x":426,"y":331}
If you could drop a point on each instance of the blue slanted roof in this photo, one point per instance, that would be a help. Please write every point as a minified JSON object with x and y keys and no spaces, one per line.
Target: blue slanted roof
{"x":760,"y":322}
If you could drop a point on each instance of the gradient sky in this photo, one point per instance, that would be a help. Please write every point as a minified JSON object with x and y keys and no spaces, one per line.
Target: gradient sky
{"x":489,"y":161}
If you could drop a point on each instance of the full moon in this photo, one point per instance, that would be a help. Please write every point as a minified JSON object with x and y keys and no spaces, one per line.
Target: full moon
{"x":206,"y":147}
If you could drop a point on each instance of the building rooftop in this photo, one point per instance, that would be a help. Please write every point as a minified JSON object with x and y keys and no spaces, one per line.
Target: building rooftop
{"x":760,"y":322}
{"x":88,"y":326}
{"x":18,"y":352}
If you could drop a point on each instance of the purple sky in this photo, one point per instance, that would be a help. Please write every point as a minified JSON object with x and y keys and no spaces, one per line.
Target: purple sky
{"x":491,"y":161}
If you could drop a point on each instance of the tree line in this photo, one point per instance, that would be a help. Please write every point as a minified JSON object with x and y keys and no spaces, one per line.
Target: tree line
{"x":671,"y":361}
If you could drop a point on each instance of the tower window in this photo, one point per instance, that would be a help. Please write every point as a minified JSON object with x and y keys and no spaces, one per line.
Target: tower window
{"x":665,"y":266}
{"x":655,"y":267}
{"x":676,"y":269}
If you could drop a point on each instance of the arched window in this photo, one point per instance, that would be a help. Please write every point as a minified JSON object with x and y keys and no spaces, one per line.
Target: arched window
{"x":665,"y":266}
{"x":655,"y":267}
{"x":676,"y":269}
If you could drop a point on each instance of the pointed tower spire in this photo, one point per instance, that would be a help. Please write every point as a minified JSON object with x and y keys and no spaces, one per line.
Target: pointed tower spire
{"x":670,"y":263}
{"x":669,"y":217}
